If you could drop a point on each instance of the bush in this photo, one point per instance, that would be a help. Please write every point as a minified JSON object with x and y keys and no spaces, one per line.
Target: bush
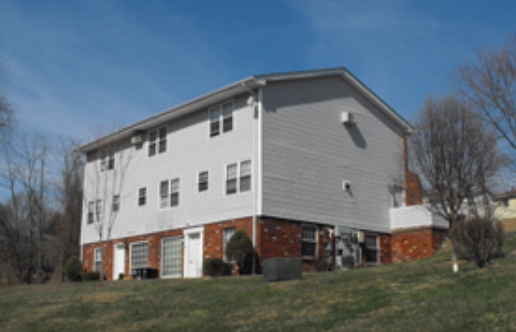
{"x":216,"y":267}
{"x":477,"y":240}
{"x":91,"y":276}
{"x":73,"y":269}
{"x":241,"y":248}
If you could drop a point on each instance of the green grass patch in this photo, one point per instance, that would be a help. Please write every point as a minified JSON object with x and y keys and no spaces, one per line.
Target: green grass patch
{"x":416,"y":296}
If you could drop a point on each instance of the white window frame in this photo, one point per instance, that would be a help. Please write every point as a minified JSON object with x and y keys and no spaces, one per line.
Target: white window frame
{"x":170,"y":238}
{"x":233,"y":178}
{"x":246,"y":176}
{"x":175,"y":190}
{"x":238,"y":177}
{"x":221,"y":118}
{"x":97,"y":259}
{"x":132,"y":245}
{"x":163,"y":195}
{"x":142,"y":196}
{"x":157,"y":141}
{"x":98,"y":210}
{"x":173,"y":193}
{"x":107,"y":162}
{"x":225,"y":239}
{"x":309,"y":240}
{"x":203,"y":181}
{"x":115,"y":206}
{"x":91,"y":212}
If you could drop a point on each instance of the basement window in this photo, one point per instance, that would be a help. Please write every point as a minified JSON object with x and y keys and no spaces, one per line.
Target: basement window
{"x":309,"y":240}
{"x":97,"y":260}
{"x":370,"y":249}
{"x":139,"y":255}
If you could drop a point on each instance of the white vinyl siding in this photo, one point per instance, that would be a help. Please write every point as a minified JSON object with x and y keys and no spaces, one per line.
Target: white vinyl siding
{"x":172,"y":255}
{"x":191,"y":152}
{"x":308,"y":153}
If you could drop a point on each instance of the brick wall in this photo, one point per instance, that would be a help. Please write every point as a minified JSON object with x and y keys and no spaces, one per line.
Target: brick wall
{"x":213,"y":244}
{"x":414,"y":244}
{"x":154,"y":241}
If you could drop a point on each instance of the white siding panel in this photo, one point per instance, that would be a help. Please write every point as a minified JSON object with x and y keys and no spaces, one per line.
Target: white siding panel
{"x":308,"y":153}
{"x":190,"y":150}
{"x":415,"y":216}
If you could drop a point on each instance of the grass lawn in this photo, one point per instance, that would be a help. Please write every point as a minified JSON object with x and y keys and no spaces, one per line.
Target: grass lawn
{"x":417,"y":296}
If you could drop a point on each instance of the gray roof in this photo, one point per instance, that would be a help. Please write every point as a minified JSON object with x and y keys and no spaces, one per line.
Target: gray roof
{"x":243,"y":86}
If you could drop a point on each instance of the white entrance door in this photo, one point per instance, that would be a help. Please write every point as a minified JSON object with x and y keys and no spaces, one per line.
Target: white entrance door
{"x":119,"y":260}
{"x":193,"y":253}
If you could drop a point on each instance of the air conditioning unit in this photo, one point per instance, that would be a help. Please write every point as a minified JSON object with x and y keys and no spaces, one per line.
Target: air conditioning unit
{"x":137,"y":139}
{"x":347,"y":118}
{"x":360,"y":236}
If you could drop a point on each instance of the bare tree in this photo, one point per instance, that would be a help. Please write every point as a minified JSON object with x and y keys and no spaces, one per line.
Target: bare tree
{"x":104,"y":182}
{"x":456,"y":156}
{"x":25,"y":175}
{"x":489,"y":83}
{"x":70,"y":199}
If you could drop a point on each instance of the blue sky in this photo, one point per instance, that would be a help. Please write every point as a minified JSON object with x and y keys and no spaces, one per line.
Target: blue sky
{"x":74,"y":66}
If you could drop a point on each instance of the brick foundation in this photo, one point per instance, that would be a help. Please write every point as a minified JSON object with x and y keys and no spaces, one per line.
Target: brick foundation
{"x":154,"y":241}
{"x":275,"y":238}
{"x":414,"y":244}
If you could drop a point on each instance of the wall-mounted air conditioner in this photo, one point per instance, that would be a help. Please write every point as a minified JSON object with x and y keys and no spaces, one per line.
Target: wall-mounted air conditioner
{"x":347,"y":118}
{"x":137,"y":138}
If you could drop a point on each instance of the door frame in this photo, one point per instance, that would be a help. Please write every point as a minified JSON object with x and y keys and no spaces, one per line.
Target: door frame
{"x":115,"y":250}
{"x":187,"y":233}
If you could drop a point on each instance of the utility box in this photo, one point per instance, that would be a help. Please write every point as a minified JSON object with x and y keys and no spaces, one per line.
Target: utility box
{"x":282,"y":268}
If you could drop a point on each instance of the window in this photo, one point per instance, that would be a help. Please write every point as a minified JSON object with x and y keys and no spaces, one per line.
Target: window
{"x":157,"y":141}
{"x":139,"y":255}
{"x":227,"y":117}
{"x":203,"y":181}
{"x":142,"y":196}
{"x":174,"y":192}
{"x":221,"y":114}
{"x":370,"y":248}
{"x":163,"y":194}
{"x":98,"y":210}
{"x":172,"y":251}
{"x":91,"y":209}
{"x":116,"y":203}
{"x":169,"y":193}
{"x":215,"y":122}
{"x":231,"y":179}
{"x":97,"y":259}
{"x":245,"y":175}
{"x":226,"y":235}
{"x":309,"y":240}
{"x":108,"y":161}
